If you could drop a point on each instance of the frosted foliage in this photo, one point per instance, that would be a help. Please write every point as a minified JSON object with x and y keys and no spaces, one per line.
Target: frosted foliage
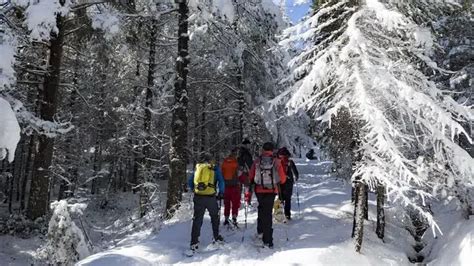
{"x":9,"y":131}
{"x":106,"y":20}
{"x":223,"y":8}
{"x":372,"y":68}
{"x":7,"y":55}
{"x":66,"y":243}
{"x":41,"y":16}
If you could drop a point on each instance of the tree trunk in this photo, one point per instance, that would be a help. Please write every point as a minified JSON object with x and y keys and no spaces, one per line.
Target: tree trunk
{"x":11,"y":178}
{"x":355,"y":199}
{"x":28,"y":170}
{"x":38,"y":204}
{"x":366,"y":202}
{"x":359,"y":216}
{"x":97,"y":166}
{"x":202,"y":147}
{"x":147,"y":121}
{"x":380,"y":230}
{"x":178,"y":154}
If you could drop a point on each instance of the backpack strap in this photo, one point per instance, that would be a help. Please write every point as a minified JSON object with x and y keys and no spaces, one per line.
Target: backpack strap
{"x":260,"y":169}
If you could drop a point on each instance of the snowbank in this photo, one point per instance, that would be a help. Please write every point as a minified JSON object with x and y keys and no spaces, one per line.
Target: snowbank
{"x":9,"y":131}
{"x":455,"y":247}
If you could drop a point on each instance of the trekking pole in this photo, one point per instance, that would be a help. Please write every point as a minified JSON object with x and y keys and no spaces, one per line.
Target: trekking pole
{"x":298,"y":200}
{"x":286,"y":224}
{"x":245,"y":227}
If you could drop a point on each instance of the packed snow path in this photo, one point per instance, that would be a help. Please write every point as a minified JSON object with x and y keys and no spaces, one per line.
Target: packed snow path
{"x":319,"y":236}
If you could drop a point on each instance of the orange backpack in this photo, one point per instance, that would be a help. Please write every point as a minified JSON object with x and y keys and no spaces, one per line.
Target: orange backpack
{"x":229,"y":171}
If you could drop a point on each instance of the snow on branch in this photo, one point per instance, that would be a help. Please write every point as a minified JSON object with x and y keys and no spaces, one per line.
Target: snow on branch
{"x":369,"y":65}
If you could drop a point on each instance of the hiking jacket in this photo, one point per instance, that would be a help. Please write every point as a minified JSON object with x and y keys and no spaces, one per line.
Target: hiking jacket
{"x":217,"y":178}
{"x":245,"y":159}
{"x":291,"y":170}
{"x":279,"y":170}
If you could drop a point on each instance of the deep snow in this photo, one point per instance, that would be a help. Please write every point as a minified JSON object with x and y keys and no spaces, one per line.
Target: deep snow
{"x":9,"y":131}
{"x":320,"y":236}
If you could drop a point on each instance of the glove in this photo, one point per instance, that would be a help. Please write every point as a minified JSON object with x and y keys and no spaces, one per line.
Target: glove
{"x":220,"y":196}
{"x":248,"y":197}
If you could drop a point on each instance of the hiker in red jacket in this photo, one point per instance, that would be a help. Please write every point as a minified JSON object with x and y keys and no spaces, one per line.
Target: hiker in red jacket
{"x":230,"y":169}
{"x":267,"y":174}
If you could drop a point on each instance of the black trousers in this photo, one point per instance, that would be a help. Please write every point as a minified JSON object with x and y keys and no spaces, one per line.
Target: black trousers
{"x":201,"y":204}
{"x":265,"y":219}
{"x":287,"y":190}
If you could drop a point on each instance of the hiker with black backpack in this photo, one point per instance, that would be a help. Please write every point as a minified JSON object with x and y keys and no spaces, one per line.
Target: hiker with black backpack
{"x":245,"y":162}
{"x":206,"y":182}
{"x":267,"y":174}
{"x":232,"y":181}
{"x":292,"y":175}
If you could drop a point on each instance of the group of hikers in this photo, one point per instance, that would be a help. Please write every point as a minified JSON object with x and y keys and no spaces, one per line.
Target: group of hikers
{"x":270,"y":174}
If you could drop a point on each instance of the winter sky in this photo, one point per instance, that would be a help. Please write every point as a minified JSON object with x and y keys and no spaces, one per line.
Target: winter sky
{"x":296,"y":9}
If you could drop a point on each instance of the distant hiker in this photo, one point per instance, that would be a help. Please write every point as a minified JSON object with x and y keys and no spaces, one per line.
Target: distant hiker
{"x":292,"y":175}
{"x":310,"y":154}
{"x":267,"y":174}
{"x":230,"y":169}
{"x":245,"y":162}
{"x":203,"y":182}
{"x":245,"y":157}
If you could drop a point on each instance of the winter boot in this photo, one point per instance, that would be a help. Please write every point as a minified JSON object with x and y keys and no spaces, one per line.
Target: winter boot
{"x":226,"y":220}
{"x":268,"y":245}
{"x":234,"y":222}
{"x":258,"y":236}
{"x":218,"y":240}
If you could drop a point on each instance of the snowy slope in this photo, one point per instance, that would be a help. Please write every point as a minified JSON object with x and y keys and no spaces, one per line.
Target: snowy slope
{"x":457,"y":246}
{"x":320,"y":236}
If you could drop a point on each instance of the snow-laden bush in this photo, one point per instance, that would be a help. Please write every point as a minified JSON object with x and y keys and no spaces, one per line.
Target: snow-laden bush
{"x":66,"y":242}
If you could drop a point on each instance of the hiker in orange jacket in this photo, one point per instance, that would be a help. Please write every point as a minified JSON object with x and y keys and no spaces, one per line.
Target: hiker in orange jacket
{"x":267,"y":174}
{"x":232,"y":181}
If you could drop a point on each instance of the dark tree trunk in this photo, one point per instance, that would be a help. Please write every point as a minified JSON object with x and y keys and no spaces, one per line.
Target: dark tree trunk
{"x":38,"y":204}
{"x":358,"y":226}
{"x":28,"y":170}
{"x":144,"y":197}
{"x":202,"y":147}
{"x":380,"y":230}
{"x":355,"y":199}
{"x":97,"y":167}
{"x":366,"y":202}
{"x":179,"y":126}
{"x":11,"y":178}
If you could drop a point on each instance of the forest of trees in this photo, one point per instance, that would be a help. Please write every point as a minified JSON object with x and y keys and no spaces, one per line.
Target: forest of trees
{"x":122,"y":95}
{"x":105,"y":105}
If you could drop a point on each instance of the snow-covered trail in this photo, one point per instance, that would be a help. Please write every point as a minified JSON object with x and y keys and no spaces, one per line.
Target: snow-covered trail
{"x":319,"y":236}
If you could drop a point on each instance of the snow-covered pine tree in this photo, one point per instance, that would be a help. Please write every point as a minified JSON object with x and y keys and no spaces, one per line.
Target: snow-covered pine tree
{"x":66,"y":243}
{"x":371,"y":63}
{"x":455,"y":32}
